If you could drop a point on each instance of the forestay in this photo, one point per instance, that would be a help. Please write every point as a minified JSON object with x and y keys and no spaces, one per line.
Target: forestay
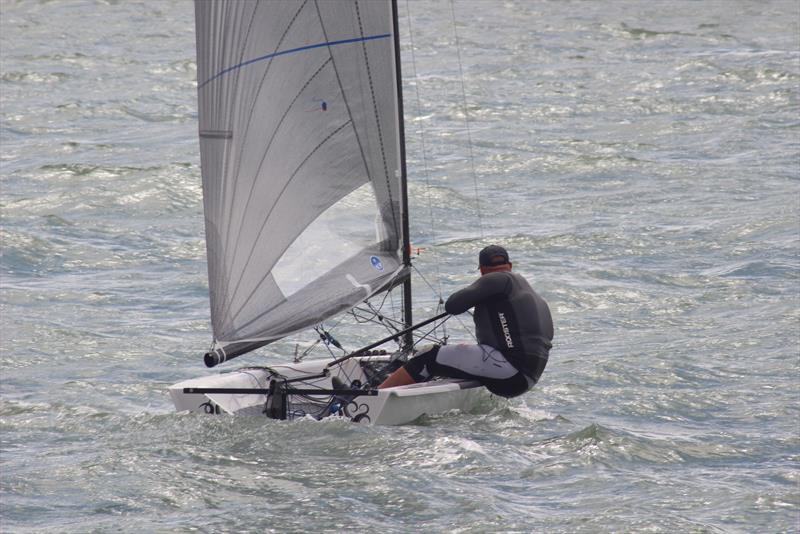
{"x":298,"y":133}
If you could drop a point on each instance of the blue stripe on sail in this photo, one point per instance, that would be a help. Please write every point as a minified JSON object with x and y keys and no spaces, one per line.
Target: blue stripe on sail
{"x":292,"y":51}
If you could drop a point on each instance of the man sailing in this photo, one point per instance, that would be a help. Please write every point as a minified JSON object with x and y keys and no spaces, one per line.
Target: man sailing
{"x":513,"y":327}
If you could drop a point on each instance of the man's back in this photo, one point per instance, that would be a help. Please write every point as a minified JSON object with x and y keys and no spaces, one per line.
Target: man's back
{"x":509,"y":315}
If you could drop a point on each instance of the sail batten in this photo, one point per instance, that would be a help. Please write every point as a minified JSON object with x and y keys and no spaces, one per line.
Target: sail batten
{"x":298,"y":114}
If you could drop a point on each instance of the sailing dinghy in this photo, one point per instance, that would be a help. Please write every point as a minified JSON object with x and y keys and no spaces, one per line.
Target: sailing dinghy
{"x":306,"y":207}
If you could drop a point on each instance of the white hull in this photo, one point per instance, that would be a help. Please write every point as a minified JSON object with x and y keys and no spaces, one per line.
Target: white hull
{"x":391,"y":406}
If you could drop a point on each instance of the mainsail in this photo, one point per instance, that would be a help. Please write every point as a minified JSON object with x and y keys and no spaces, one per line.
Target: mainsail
{"x":300,"y":153}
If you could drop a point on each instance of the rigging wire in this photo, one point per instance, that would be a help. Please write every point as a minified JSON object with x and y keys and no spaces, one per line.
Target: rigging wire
{"x":440,"y":304}
{"x":438,"y":291}
{"x":427,"y":335}
{"x":466,"y":118}
{"x":421,"y":129}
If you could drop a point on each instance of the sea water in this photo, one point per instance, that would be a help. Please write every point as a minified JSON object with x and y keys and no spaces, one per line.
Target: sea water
{"x":640,"y":162}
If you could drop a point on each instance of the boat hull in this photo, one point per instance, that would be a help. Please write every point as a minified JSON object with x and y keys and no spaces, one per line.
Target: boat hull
{"x":391,"y":406}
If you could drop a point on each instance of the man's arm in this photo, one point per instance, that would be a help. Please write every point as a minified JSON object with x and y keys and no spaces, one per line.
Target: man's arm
{"x":481,"y":289}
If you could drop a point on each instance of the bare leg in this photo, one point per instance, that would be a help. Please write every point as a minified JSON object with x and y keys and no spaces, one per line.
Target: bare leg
{"x":398,"y":378}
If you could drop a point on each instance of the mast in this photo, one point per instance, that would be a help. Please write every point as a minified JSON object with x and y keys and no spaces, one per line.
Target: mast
{"x":408,"y":339}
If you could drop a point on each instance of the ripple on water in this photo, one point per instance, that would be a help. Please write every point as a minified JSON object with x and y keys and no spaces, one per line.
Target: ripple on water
{"x":639,"y":160}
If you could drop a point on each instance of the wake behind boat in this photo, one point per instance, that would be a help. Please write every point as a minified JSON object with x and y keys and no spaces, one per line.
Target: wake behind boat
{"x":305,"y":198}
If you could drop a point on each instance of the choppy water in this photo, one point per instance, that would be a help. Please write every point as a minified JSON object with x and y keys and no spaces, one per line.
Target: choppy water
{"x":640,"y":161}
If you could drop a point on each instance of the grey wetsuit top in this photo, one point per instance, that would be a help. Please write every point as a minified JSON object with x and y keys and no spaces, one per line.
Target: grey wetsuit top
{"x":509,"y":316}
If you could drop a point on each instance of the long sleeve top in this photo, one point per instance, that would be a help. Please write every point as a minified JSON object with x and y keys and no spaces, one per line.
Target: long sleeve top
{"x":509,"y":316}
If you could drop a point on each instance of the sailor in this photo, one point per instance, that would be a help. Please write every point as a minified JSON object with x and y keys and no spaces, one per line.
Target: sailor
{"x":513,"y":327}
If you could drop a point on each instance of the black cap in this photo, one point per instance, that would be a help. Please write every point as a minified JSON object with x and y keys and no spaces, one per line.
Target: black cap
{"x":488,"y":256}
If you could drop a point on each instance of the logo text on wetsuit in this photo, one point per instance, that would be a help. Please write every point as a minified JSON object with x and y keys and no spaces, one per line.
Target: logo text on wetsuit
{"x":506,"y":332}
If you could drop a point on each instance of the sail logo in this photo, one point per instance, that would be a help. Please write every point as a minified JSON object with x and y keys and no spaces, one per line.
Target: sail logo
{"x":377,"y":263}
{"x":506,"y":331}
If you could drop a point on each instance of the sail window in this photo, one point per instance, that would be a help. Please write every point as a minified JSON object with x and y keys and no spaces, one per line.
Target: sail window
{"x":338,"y":233}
